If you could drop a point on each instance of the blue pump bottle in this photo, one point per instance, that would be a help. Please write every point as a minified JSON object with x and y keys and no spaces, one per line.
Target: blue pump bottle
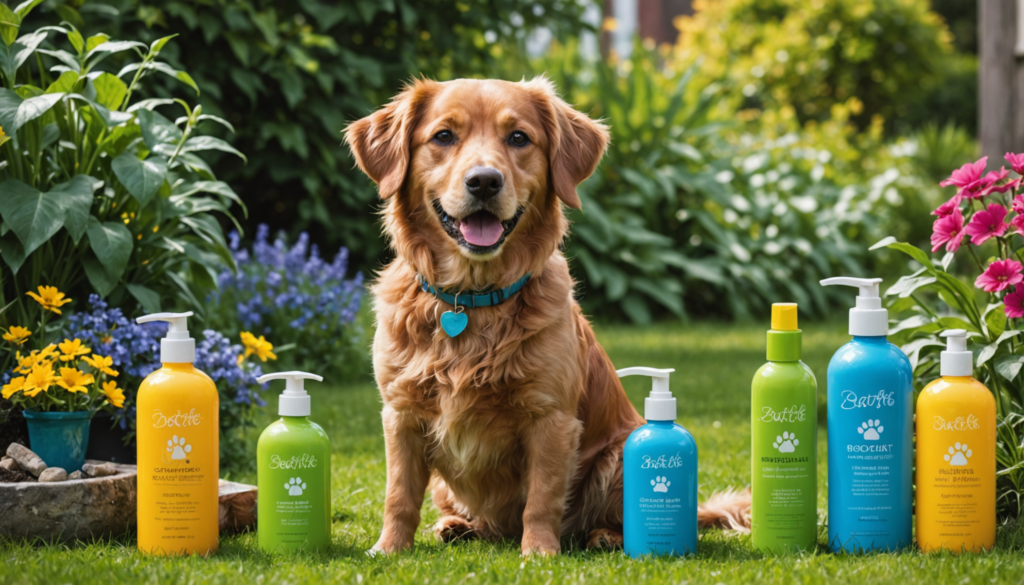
{"x":870,"y":430}
{"x":659,"y":477}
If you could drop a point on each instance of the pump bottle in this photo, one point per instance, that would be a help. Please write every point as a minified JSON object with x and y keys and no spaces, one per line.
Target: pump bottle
{"x":784,"y":449}
{"x":870,"y":432}
{"x":956,"y":456}
{"x":293,"y":460}
{"x":178,"y":449}
{"x":659,"y":477}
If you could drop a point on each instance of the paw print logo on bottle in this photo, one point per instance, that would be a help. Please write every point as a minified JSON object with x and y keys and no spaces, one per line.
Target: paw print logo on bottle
{"x":178,"y":448}
{"x":661,"y":484}
{"x":958,"y":454}
{"x":871,"y":430}
{"x":295,"y":486}
{"x":786,"y":443}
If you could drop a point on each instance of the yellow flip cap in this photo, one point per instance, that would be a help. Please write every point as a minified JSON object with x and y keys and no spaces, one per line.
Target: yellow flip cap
{"x":784,"y":317}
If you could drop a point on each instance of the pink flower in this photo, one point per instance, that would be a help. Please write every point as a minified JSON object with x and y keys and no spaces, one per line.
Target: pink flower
{"x":987,"y":224}
{"x":954,"y":204}
{"x":988,"y":183}
{"x":968,"y":176}
{"x":1018,"y":204}
{"x":948,"y":230}
{"x":1018,"y":223}
{"x":1014,"y":303}
{"x":1000,"y":275}
{"x":1016,"y":161}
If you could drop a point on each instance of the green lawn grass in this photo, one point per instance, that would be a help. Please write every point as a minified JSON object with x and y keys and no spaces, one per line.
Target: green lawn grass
{"x":714,"y":364}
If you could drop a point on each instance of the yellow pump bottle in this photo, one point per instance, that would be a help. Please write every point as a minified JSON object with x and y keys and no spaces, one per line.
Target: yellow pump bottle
{"x":177,"y":434}
{"x":956,"y":457}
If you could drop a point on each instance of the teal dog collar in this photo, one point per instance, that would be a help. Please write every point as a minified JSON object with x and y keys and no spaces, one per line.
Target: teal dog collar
{"x":455,"y":322}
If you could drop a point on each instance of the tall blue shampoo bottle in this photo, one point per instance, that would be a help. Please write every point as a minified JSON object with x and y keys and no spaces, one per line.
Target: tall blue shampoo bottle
{"x":870,"y":432}
{"x":659,"y":475}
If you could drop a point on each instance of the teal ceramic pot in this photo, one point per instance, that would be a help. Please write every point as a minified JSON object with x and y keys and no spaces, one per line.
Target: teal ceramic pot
{"x":59,"y":438}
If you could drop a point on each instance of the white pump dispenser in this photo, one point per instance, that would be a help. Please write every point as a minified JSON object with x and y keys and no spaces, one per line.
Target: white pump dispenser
{"x":177,"y":347}
{"x":294,"y":401}
{"x":868,"y":319}
{"x":660,"y":405}
{"x":956,"y":360}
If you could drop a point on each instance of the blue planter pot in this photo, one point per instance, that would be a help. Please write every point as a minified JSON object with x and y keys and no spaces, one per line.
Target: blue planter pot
{"x":59,"y":438}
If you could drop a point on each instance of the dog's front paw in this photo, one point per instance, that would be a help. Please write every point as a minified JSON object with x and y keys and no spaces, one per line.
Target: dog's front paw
{"x":386,"y":546}
{"x":545,"y":545}
{"x":604,"y":539}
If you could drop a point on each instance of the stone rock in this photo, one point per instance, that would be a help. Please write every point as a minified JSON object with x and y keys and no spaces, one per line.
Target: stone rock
{"x":101,"y":470}
{"x":76,"y":475}
{"x":5,"y":458}
{"x":10,"y":465}
{"x":70,"y":510}
{"x":53,"y":474}
{"x":28,"y":460}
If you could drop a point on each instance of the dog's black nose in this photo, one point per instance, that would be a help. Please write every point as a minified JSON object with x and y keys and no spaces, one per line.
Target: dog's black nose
{"x":484,"y":182}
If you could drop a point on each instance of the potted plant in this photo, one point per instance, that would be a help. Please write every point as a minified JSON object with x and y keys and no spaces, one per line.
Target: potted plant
{"x":59,"y":384}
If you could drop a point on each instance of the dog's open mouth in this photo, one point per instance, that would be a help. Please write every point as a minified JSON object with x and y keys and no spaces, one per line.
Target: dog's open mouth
{"x":481,"y":232}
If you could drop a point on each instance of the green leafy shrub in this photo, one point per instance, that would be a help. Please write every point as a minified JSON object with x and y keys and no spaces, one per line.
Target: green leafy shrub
{"x":935,"y":297}
{"x":676,"y":220}
{"x":890,"y":54}
{"x":98,"y":190}
{"x":291,"y":75}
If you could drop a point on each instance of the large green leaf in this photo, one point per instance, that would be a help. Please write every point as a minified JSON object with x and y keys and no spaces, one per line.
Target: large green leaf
{"x":98,"y":276}
{"x":32,"y":215}
{"x":112,"y":243}
{"x":14,"y":56}
{"x":9,"y":25}
{"x":912,"y":251}
{"x":148,"y":298}
{"x":12,"y":251}
{"x":15,"y":111}
{"x":110,"y":90}
{"x":76,"y":196}
{"x":199,"y":143}
{"x":157,"y":129}
{"x":142,"y":178}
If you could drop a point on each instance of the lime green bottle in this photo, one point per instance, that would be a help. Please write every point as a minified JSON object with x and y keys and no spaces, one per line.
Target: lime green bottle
{"x":784,"y":430}
{"x":293,"y":459}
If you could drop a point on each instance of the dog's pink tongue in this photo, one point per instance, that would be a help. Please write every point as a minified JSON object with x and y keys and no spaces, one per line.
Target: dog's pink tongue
{"x":481,"y":229}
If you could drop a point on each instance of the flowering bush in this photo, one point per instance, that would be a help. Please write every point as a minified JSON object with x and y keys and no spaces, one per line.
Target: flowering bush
{"x":292,"y":295}
{"x":135,"y":350}
{"x":87,"y":377}
{"x":975,"y":218}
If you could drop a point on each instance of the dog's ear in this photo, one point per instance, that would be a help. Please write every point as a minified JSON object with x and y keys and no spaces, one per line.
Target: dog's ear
{"x":576,"y":142}
{"x":381,"y":141}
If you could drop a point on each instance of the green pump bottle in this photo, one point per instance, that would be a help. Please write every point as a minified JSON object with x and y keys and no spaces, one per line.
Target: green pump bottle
{"x":784,"y":430}
{"x":293,"y":459}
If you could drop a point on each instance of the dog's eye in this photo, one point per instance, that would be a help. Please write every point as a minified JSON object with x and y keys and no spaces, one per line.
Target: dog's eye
{"x":518,"y":138}
{"x":444,"y":137}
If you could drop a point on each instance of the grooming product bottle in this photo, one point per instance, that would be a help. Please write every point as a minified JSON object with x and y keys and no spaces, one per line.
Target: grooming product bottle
{"x":956,"y":456}
{"x":659,"y":477}
{"x":293,"y":459}
{"x":177,"y":434}
{"x":870,"y":432}
{"x":784,"y":429}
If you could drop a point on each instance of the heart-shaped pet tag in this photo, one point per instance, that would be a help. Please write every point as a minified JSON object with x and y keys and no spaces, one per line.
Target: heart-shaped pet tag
{"x":454,"y":323}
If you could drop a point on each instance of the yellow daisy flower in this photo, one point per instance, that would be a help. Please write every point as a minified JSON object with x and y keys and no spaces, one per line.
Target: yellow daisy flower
{"x":102,"y":364}
{"x":114,"y":394}
{"x":71,"y":349}
{"x":262,"y":348}
{"x":16,"y":385}
{"x":35,"y":358}
{"x":38,"y":380}
{"x":17,"y":335}
{"x":74,"y":380}
{"x":50,"y":298}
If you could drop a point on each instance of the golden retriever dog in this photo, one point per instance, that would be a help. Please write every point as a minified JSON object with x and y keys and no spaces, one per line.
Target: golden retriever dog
{"x":517,"y":423}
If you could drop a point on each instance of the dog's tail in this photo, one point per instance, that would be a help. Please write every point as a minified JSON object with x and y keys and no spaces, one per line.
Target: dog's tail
{"x":728,"y":509}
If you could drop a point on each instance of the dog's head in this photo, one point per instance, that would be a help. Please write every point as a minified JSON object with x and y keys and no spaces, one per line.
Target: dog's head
{"x":473,"y":171}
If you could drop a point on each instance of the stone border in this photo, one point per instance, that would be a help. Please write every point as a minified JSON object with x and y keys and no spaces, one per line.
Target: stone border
{"x":71,"y":509}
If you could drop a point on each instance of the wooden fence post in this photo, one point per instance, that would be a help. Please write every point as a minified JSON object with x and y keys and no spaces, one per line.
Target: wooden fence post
{"x":1000,"y":79}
